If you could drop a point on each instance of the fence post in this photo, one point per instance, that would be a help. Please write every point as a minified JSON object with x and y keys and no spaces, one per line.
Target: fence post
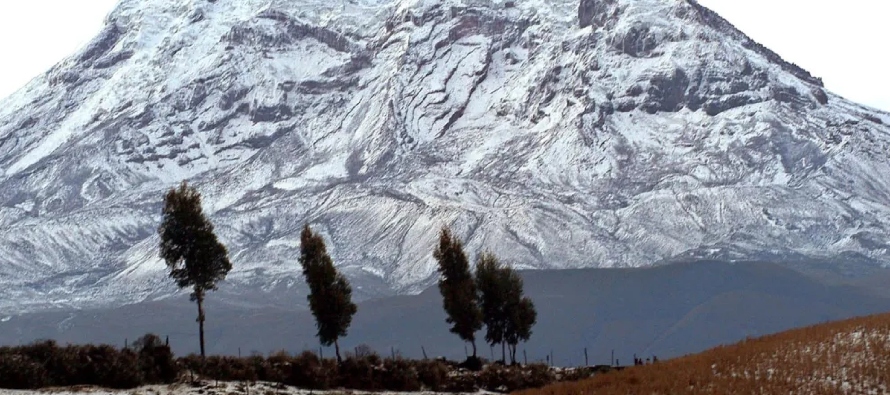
{"x":612,"y":361}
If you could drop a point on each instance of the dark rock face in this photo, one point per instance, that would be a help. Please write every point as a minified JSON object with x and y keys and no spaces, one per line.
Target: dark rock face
{"x":287,"y":32}
{"x":638,"y":42}
{"x":112,"y":59}
{"x":667,"y":92}
{"x":596,"y":13}
{"x":107,"y":39}
{"x":716,"y":106}
{"x":271,"y":113}
{"x":820,"y":95}
{"x":232,"y":96}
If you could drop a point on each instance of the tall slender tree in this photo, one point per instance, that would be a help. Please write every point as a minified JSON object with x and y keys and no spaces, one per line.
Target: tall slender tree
{"x":520,"y":313}
{"x":492,"y":299}
{"x":458,"y":288}
{"x":190,"y":248}
{"x":330,"y":295}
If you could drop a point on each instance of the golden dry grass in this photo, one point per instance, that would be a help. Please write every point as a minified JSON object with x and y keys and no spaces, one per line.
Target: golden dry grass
{"x":844,"y":357}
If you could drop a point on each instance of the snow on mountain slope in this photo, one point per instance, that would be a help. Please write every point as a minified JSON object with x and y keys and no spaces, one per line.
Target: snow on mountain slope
{"x":556,"y":133}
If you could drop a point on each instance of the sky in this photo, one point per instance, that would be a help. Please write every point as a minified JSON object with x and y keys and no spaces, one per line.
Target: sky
{"x":841,"y":42}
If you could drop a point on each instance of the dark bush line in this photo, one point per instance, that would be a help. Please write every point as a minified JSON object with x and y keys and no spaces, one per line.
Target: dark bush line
{"x":45,"y":364}
{"x":372,"y":373}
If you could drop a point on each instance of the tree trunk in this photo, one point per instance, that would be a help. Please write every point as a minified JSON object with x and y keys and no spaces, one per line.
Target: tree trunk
{"x":473,"y":342}
{"x":503,"y":352}
{"x":337,"y":350}
{"x":200,"y":300}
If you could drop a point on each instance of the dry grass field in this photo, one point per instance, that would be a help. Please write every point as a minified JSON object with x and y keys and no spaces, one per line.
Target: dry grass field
{"x":844,"y":357}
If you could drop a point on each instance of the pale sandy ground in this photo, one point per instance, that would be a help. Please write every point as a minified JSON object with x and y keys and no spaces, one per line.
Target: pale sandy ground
{"x":209,"y":388}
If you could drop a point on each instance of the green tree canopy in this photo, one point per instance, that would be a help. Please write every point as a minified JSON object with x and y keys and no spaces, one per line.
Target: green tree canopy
{"x":508,"y":316}
{"x":492,"y":298}
{"x":330,"y":295}
{"x":458,"y":288}
{"x":189,"y":246}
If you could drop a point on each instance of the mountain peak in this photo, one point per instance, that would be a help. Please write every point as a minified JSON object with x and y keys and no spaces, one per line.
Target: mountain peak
{"x":557,"y":134}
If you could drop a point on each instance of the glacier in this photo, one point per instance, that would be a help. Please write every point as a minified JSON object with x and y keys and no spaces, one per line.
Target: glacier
{"x":557,"y":134}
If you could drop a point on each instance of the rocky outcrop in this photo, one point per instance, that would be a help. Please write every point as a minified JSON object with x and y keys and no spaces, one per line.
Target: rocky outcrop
{"x":596,"y":13}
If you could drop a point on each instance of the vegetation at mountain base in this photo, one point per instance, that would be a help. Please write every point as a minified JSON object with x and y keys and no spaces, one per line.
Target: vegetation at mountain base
{"x":508,"y":315}
{"x":198,"y":260}
{"x":45,"y":364}
{"x":330,"y":295}
{"x":851,"y":356}
{"x":188,"y":245}
{"x":458,"y":288}
{"x":493,"y":297}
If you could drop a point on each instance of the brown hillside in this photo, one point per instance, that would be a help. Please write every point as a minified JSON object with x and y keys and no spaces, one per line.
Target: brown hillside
{"x":844,"y":357}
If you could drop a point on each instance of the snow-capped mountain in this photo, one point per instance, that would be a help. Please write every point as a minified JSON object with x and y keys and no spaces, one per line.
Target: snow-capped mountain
{"x":557,"y":134}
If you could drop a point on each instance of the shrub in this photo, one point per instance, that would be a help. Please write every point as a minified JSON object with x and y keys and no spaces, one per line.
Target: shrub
{"x":280,"y":368}
{"x":537,"y":375}
{"x":128,"y":371}
{"x":44,"y":364}
{"x":103,"y":366}
{"x":473,"y":364}
{"x":400,"y":375}
{"x":190,"y":363}
{"x":360,"y":373}
{"x":309,"y":371}
{"x":21,"y":372}
{"x":156,"y":360}
{"x":503,"y":378}
{"x":229,"y":369}
{"x":462,"y":383}
{"x":433,"y":375}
